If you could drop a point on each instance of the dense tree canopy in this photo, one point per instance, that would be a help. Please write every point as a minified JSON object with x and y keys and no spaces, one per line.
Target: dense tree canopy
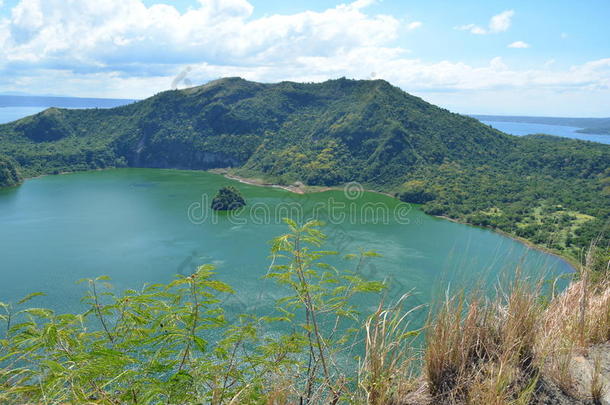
{"x":228,"y":198}
{"x":9,"y":174}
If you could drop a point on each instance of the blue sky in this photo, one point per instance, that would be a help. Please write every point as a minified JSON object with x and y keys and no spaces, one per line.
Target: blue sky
{"x":544,"y":57}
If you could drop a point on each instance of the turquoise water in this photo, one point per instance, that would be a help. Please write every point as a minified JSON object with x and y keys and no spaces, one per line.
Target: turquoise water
{"x":523,"y":128}
{"x":145,"y":225}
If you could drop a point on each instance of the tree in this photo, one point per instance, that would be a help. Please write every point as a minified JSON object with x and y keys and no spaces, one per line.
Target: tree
{"x":228,"y":198}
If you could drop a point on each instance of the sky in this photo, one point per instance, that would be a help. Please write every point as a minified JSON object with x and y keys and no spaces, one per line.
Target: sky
{"x":543,"y":57}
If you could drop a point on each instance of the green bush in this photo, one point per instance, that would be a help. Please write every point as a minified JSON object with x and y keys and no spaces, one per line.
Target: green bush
{"x":174,"y":344}
{"x":228,"y":198}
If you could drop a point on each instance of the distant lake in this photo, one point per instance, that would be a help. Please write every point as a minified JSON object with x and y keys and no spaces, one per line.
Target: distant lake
{"x":15,"y":107}
{"x":522,"y":128}
{"x":147,"y":225}
{"x":9,"y":114}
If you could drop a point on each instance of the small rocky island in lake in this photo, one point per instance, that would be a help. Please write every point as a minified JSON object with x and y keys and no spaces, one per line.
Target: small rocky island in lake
{"x":228,"y":198}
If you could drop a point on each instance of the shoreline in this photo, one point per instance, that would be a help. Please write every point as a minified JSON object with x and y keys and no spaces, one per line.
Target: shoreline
{"x":302,"y":189}
{"x":569,"y":260}
{"x":299,"y":188}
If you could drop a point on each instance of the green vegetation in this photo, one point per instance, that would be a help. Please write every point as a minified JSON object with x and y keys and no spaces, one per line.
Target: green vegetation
{"x":228,"y":198}
{"x":174,"y":344}
{"x":552,"y":191}
{"x":9,"y":174}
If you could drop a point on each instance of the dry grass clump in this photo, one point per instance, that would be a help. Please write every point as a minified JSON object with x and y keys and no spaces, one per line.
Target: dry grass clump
{"x":575,"y":320}
{"x":385,"y":375}
{"x":457,"y":342}
{"x":580,"y":316}
{"x":495,"y":352}
{"x":514,"y":349}
{"x":597,"y":386}
{"x":483,"y":352}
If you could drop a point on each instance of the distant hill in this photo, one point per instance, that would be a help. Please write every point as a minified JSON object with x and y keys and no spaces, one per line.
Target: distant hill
{"x":283,"y":129}
{"x":601,"y":130}
{"x":331,"y":133}
{"x":599,"y":126}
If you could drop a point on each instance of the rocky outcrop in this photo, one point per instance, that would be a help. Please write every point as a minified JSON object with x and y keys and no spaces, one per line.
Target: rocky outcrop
{"x":590,"y":374}
{"x":588,"y":381}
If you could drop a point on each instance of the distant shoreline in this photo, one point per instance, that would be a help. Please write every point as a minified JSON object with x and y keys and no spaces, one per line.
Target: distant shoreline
{"x":302,"y":189}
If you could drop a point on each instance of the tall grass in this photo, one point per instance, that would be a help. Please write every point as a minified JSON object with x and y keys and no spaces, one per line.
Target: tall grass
{"x":386,"y":373}
{"x":482,"y":351}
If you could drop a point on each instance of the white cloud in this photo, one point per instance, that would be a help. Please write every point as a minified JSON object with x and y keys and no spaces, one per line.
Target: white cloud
{"x":498,"y":23}
{"x":519,"y":45}
{"x":121,"y":48}
{"x":549,"y":63}
{"x":497,"y":64}
{"x":501,"y":22}
{"x":473,"y":28}
{"x":103,"y":34}
{"x":414,"y":25}
{"x":358,"y":4}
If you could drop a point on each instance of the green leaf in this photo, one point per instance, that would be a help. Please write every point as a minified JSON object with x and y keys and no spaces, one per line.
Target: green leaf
{"x":200,"y":343}
{"x":39,"y":312}
{"x":29,"y":297}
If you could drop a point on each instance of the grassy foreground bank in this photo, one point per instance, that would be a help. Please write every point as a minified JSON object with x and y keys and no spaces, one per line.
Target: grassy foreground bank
{"x":173,"y":343}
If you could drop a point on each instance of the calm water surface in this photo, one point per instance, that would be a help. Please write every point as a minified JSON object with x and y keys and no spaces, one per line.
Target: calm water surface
{"x":9,"y":114}
{"x":523,"y":128}
{"x":134,"y":226}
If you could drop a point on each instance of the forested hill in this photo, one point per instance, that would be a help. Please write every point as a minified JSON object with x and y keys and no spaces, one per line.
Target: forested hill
{"x":333,"y":132}
{"x":324,"y":132}
{"x":9,"y":174}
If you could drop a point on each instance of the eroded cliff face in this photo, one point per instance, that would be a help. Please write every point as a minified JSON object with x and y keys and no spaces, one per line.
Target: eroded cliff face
{"x":188,"y":160}
{"x":181,"y":158}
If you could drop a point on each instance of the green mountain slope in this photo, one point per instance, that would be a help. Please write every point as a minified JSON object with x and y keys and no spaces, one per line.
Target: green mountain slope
{"x":9,"y":174}
{"x":367,"y":126}
{"x":552,"y":191}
